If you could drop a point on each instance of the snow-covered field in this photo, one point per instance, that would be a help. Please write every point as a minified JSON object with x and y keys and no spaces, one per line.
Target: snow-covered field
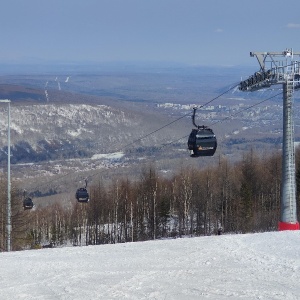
{"x":249,"y":266}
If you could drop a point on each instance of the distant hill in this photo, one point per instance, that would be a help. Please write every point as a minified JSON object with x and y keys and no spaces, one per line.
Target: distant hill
{"x":18,"y":93}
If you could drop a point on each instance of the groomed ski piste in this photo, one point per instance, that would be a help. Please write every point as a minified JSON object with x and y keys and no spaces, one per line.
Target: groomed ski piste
{"x":237,"y":266}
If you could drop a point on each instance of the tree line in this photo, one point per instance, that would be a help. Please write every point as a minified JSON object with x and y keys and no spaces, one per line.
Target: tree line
{"x":238,"y":197}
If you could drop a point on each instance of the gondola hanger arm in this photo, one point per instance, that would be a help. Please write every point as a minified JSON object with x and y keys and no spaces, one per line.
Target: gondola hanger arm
{"x":193,"y":118}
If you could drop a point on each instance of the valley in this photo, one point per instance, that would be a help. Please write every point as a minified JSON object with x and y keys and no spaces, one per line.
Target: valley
{"x":104,"y":125}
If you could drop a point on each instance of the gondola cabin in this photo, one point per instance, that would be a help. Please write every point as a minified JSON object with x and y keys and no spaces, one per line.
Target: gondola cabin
{"x":27,"y":203}
{"x":202,"y":142}
{"x":82,"y":195}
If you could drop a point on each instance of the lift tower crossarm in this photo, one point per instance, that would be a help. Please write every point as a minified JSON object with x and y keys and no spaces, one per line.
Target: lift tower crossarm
{"x":261,"y":56}
{"x":273,"y":70}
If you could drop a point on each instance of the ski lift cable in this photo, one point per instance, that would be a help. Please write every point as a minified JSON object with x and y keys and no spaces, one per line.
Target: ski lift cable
{"x":199,"y":106}
{"x":249,"y":107}
{"x":147,"y":135}
{"x":220,"y":121}
{"x":225,"y":92}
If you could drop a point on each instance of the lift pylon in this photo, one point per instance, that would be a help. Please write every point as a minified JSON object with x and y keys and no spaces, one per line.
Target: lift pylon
{"x":283,"y":69}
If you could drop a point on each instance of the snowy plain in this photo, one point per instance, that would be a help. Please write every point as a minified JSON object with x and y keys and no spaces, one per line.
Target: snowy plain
{"x":242,"y":266}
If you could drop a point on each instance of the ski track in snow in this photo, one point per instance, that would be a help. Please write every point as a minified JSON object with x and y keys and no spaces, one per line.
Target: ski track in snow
{"x":249,"y":266}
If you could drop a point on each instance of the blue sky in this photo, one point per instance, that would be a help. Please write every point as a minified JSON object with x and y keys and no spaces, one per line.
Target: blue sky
{"x":212,"y":32}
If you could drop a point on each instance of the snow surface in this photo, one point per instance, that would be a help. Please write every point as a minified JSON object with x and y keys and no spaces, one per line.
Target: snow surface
{"x":115,"y":155}
{"x":249,"y":266}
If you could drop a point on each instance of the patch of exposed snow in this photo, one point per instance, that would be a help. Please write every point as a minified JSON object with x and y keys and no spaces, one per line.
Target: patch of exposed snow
{"x":116,"y":155}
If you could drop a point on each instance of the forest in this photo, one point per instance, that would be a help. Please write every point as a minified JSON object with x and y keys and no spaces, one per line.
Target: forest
{"x":240,"y":197}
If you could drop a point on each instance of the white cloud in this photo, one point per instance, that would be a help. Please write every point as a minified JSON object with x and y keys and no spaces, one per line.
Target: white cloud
{"x":219,"y":30}
{"x":293,"y":25}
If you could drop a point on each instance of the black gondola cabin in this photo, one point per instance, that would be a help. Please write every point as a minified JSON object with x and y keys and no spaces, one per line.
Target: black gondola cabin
{"x":27,"y":203}
{"x":82,"y":195}
{"x":202,"y":142}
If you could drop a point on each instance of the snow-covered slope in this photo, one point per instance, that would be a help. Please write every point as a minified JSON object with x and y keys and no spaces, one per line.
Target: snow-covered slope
{"x":57,"y":122}
{"x":249,"y":266}
{"x":43,"y":132}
